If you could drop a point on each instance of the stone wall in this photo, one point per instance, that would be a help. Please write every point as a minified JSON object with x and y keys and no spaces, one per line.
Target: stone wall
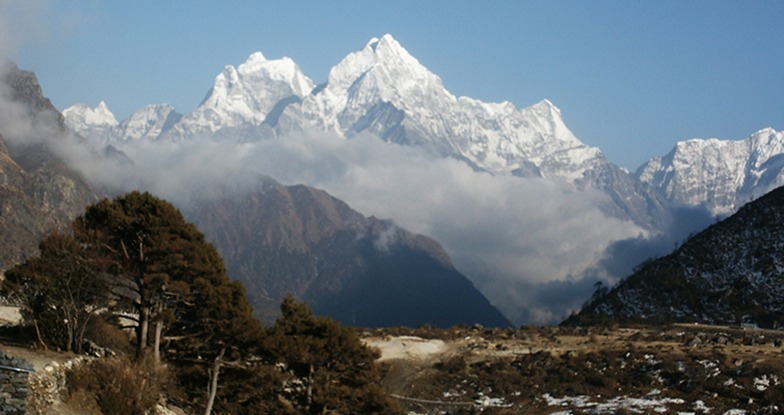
{"x":13,"y":384}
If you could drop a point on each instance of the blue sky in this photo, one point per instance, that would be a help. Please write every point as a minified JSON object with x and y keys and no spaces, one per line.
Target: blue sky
{"x":630,"y":77}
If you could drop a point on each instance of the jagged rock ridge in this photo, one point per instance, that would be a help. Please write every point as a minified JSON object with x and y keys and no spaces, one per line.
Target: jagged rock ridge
{"x":39,"y":192}
{"x":723,"y":175}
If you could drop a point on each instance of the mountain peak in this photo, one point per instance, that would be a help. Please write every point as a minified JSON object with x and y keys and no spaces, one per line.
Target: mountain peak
{"x":386,"y":67}
{"x":768,"y":131}
{"x":81,"y":118}
{"x":257,"y":69}
{"x":256,"y":57}
{"x":545,"y":106}
{"x":103,"y":114}
{"x":389,"y":51}
{"x":146,"y":123}
{"x":386,"y":40}
{"x":372,"y":43}
{"x":244,"y":96}
{"x":718,"y":174}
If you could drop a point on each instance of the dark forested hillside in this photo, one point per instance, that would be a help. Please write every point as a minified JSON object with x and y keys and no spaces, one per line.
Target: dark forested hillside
{"x":301,"y":241}
{"x":730,"y":273}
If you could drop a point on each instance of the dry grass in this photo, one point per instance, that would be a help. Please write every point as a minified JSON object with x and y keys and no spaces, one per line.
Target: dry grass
{"x":723,"y":369}
{"x":121,"y":386}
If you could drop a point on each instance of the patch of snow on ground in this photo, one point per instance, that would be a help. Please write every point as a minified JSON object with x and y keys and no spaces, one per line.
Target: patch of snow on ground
{"x":486,"y":401}
{"x":711,"y":367}
{"x":615,"y":404}
{"x":700,"y":406}
{"x":763,"y":383}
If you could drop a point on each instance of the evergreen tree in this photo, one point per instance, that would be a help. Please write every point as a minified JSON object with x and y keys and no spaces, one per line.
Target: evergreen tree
{"x":158,"y":258}
{"x":138,"y":252}
{"x":339,"y":370}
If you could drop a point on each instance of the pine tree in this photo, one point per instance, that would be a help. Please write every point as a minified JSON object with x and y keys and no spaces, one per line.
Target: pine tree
{"x":159,"y":259}
{"x":339,"y":370}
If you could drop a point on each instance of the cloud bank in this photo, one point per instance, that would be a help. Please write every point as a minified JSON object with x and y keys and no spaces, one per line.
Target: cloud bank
{"x":519,"y":240}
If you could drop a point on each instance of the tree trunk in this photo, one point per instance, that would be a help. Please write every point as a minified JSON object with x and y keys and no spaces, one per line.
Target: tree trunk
{"x":144,"y":325}
{"x":213,"y":386}
{"x":157,"y":347}
{"x":69,"y":329}
{"x":38,"y":334}
{"x":80,"y":333}
{"x":309,"y":393}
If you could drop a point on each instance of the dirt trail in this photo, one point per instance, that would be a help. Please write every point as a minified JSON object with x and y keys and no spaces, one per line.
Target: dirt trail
{"x":38,"y":358}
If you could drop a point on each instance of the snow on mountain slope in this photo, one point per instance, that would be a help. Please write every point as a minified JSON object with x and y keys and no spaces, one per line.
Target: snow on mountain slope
{"x":90,"y":123}
{"x":244,"y":95}
{"x":146,"y":123}
{"x":384,"y":90}
{"x":100,"y":126}
{"x":723,"y":175}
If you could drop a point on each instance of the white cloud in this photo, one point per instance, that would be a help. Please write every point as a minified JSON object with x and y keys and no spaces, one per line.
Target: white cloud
{"x":511,"y":236}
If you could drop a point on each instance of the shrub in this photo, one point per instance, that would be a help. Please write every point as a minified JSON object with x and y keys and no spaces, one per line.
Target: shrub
{"x":454,"y":365}
{"x":123,"y":387}
{"x":106,"y":333}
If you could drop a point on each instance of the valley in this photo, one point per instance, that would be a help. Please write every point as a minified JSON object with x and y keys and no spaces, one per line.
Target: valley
{"x":374,"y":242}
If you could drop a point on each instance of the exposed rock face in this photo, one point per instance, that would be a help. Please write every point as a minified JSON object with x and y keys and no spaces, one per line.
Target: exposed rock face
{"x":300,"y":241}
{"x":722,"y":175}
{"x":730,"y":273}
{"x":39,"y":193}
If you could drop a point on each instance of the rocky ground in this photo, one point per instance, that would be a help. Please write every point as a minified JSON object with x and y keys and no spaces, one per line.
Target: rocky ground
{"x":684,"y":369}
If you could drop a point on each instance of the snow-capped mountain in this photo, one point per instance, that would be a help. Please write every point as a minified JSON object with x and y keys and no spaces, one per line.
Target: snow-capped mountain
{"x":91,"y":124}
{"x":723,"y":175}
{"x":100,"y":126}
{"x":383,"y":90}
{"x":147,"y":123}
{"x":244,"y":96}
